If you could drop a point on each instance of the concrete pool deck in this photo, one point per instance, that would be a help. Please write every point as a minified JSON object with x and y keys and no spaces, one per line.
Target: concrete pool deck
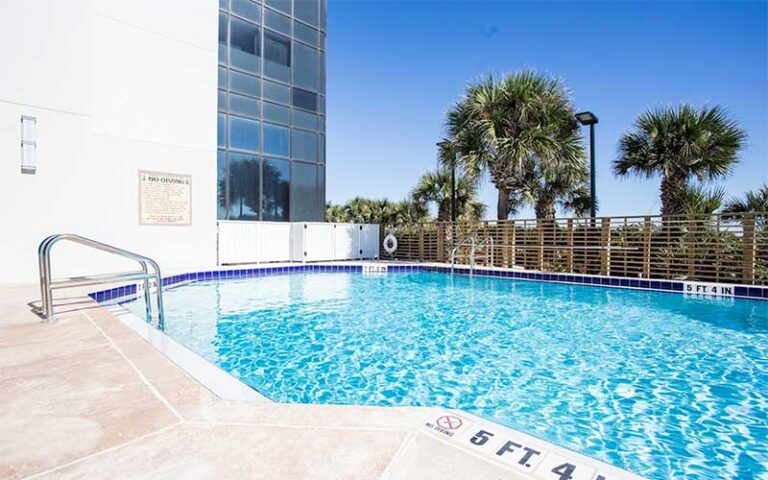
{"x":86,"y":397}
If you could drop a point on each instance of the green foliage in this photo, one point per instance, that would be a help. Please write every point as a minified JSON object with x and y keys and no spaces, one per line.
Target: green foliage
{"x":383,"y":212}
{"x":756,"y":201}
{"x":521,"y":130}
{"x":680,"y":144}
{"x":698,"y":200}
{"x":434,"y":188}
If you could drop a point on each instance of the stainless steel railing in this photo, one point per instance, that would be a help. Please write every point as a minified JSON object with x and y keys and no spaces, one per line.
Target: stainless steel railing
{"x":486,"y":241}
{"x":48,"y":284}
{"x":468,"y":240}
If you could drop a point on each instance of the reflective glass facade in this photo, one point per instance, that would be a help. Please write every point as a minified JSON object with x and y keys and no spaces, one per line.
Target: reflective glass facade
{"x":271,"y":120}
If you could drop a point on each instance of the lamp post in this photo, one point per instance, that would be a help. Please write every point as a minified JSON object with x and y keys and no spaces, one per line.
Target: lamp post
{"x":447,"y":145}
{"x":589,"y":118}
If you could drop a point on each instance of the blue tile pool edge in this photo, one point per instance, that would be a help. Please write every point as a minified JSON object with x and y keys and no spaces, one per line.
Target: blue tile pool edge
{"x":129,"y":292}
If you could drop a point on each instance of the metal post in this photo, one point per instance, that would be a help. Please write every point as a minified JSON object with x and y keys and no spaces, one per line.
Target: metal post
{"x":592,"y":187}
{"x":453,"y":194}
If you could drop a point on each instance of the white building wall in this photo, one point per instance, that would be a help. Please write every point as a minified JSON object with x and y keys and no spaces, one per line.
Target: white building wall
{"x":116,"y":87}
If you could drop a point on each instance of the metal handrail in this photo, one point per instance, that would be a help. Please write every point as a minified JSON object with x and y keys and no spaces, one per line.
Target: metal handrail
{"x":488,"y":240}
{"x":458,"y":246}
{"x":47,"y":284}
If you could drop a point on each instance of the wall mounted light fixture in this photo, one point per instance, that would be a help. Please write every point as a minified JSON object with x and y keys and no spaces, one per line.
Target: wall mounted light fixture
{"x":28,"y":144}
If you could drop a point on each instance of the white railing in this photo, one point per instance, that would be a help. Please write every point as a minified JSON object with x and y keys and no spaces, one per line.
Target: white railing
{"x":258,"y":242}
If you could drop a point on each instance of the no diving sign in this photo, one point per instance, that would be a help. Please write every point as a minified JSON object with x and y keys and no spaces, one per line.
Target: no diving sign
{"x":518,"y":451}
{"x":448,"y":424}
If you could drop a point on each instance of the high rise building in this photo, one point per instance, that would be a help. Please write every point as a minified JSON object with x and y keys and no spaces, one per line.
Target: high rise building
{"x":271,"y":120}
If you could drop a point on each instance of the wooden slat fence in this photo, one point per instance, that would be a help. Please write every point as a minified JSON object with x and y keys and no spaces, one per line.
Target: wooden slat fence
{"x":729,"y":248}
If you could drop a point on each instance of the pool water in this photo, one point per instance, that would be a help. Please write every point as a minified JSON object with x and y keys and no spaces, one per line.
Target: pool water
{"x":660,"y":384}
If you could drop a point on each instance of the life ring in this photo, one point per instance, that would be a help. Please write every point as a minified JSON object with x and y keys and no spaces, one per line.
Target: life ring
{"x":390,"y":244}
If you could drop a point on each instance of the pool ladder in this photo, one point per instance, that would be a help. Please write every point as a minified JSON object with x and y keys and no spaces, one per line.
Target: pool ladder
{"x":48,"y":284}
{"x":475,"y":246}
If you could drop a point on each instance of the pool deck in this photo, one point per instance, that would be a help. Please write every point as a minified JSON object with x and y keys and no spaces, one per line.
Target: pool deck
{"x":87,"y":397}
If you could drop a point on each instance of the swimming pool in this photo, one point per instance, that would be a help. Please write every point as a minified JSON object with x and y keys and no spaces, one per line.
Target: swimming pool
{"x":658,"y":383}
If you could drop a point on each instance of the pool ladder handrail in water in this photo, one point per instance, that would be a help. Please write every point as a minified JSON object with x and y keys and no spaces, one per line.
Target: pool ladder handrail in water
{"x":48,"y":284}
{"x":475,"y":246}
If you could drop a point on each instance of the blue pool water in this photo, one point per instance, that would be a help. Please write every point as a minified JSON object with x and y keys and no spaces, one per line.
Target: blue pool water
{"x":663,"y":385}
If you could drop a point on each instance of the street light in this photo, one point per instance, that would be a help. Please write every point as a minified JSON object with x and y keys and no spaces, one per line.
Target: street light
{"x":447,"y":145}
{"x":589,"y":118}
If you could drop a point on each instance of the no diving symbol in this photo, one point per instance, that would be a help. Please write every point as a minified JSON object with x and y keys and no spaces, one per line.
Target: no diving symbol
{"x":449,"y":422}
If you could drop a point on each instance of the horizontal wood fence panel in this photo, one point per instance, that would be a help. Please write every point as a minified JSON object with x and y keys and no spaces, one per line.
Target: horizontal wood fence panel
{"x":728,"y":248}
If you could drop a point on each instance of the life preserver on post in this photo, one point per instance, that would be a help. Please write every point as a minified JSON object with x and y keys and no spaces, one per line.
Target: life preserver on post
{"x":390,"y":244}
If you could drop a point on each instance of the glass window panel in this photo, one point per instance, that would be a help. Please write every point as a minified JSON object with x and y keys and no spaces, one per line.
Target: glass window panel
{"x":277,"y":21}
{"x":245,"y":45}
{"x":221,"y":130}
{"x":275,"y":196}
{"x":223,"y":17}
{"x":222,"y":77}
{"x":222,"y":104}
{"x":247,"y":9}
{"x":304,"y":120}
{"x":242,"y":83}
{"x":306,"y":11}
{"x":321,"y":75}
{"x":277,"y":53}
{"x":221,"y":185}
{"x":243,"y":134}
{"x":305,"y":34}
{"x":320,"y":193}
{"x":321,"y":104}
{"x":243,"y":105}
{"x":321,"y":149}
{"x":322,"y":40}
{"x":305,"y":67}
{"x":304,"y":145}
{"x":244,"y":181}
{"x":303,"y":192}
{"x":282,"y":5}
{"x":276,"y":113}
{"x":323,"y":9}
{"x":321,"y":124}
{"x":275,"y":140}
{"x":223,"y":4}
{"x":277,"y":93}
{"x":304,"y":99}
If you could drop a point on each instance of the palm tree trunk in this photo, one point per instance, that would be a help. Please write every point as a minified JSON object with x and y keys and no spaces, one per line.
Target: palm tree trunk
{"x":502,"y":205}
{"x":545,"y":207}
{"x":671,"y":186}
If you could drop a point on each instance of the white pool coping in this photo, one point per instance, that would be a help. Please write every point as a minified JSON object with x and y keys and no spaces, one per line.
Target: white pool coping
{"x":212,"y":377}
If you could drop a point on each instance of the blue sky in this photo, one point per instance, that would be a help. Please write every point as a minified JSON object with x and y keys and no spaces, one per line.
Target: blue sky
{"x":394,"y":68}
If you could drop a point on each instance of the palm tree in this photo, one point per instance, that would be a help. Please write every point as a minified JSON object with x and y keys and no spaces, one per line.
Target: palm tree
{"x":680,"y":144}
{"x":753,"y":201}
{"x":336,"y":213}
{"x":698,"y":200}
{"x":434,"y":187}
{"x":383,"y":212}
{"x":502,"y":127}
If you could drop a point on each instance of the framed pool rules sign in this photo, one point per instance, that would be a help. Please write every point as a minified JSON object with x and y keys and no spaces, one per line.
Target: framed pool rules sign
{"x":165,"y":198}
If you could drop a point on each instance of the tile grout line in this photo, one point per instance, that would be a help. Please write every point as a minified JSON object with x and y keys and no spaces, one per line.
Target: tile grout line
{"x":141,"y":375}
{"x":106,"y":450}
{"x":399,"y":453}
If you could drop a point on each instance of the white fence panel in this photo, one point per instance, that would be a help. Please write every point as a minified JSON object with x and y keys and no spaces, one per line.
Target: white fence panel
{"x":273,"y":242}
{"x":369,"y":241}
{"x":346,"y":241}
{"x":237,"y":242}
{"x":318,"y":242}
{"x":255,"y":242}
